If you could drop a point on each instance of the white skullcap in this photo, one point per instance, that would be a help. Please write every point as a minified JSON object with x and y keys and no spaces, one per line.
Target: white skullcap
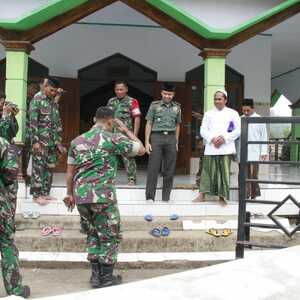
{"x":222,"y":91}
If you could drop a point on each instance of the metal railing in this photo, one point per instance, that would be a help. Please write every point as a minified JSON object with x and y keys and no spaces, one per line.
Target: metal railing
{"x":244,"y":217}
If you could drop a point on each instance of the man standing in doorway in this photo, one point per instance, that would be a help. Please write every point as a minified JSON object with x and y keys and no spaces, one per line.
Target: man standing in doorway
{"x":161,"y":141}
{"x":45,"y":141}
{"x":91,"y":173}
{"x":220,"y":127}
{"x":256,"y":132}
{"x":127,"y":110}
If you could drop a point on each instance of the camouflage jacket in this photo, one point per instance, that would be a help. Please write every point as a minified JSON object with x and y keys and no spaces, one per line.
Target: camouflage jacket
{"x":8,"y":127}
{"x":125,"y":109}
{"x":94,"y":155}
{"x":8,"y":165}
{"x":43,"y":121}
{"x":27,"y":122}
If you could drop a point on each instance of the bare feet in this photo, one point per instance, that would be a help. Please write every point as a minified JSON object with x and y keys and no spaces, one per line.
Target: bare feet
{"x":222,"y":201}
{"x":41,"y":201}
{"x":200,"y":198}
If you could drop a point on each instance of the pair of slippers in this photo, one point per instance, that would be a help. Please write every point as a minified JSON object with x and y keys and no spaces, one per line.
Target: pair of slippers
{"x":53,"y":231}
{"x":164,"y":232}
{"x":149,"y":217}
{"x":215,"y":233}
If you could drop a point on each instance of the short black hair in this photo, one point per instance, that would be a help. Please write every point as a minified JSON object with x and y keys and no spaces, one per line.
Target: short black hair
{"x":2,"y":95}
{"x":248,"y":102}
{"x":53,"y":82}
{"x":104,"y":112}
{"x":121,"y":82}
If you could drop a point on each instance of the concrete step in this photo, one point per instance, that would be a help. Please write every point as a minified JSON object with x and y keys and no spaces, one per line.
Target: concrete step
{"x":142,"y":241}
{"x":128,"y":223}
{"x":132,"y":202}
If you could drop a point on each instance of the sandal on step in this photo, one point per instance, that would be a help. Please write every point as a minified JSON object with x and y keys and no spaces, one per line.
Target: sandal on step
{"x":148,"y":218}
{"x":213,"y":232}
{"x":165,"y":231}
{"x":155,"y":232}
{"x":226,"y":232}
{"x":56,"y":231}
{"x":46,"y":231}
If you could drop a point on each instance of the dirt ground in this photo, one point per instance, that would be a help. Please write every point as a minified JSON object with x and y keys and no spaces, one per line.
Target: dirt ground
{"x":52,"y":282}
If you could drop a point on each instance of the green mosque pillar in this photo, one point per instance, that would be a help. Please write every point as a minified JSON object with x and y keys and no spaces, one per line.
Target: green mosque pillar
{"x":17,"y":53}
{"x":214,"y":74}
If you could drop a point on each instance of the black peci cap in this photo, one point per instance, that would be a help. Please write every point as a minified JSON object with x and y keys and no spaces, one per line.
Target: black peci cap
{"x":248,"y":102}
{"x":168,"y":87}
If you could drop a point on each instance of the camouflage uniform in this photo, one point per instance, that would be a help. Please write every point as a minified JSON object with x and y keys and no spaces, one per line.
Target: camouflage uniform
{"x":27,"y":143}
{"x":94,"y":155}
{"x":126,"y":110}
{"x":8,"y":130}
{"x":44,"y":129}
{"x":9,"y":253}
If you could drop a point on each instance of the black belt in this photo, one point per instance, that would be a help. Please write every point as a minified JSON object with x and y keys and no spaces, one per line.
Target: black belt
{"x":164,"y":132}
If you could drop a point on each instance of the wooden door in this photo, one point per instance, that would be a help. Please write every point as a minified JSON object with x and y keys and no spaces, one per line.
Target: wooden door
{"x":183,"y":95}
{"x":70,"y":114}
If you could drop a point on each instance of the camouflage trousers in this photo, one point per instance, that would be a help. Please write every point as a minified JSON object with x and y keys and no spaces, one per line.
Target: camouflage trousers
{"x":104,"y":234}
{"x":9,"y":253}
{"x":12,"y":191}
{"x":42,"y":171}
{"x":130,"y":167}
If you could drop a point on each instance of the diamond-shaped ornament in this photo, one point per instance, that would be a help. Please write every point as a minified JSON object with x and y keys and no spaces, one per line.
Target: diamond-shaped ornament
{"x":272,"y":216}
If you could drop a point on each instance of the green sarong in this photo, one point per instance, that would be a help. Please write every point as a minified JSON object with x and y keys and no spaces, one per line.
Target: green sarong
{"x":215,"y":175}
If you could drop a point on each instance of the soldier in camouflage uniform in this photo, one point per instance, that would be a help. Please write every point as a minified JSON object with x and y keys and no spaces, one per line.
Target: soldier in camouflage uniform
{"x":8,"y":130}
{"x":161,"y":142}
{"x":45,"y":139}
{"x":92,"y":167}
{"x":32,"y":89}
{"x":9,"y":253}
{"x":128,"y":111}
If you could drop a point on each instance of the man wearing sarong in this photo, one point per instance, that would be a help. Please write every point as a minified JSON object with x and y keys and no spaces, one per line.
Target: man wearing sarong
{"x":220,"y":127}
{"x":256,"y":132}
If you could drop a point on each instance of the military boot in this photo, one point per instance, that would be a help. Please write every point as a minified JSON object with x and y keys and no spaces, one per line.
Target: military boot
{"x":95,"y":280}
{"x":23,"y":291}
{"x":106,"y":276}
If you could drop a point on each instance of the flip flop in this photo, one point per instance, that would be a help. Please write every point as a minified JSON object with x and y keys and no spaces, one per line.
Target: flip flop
{"x":165,"y":231}
{"x":226,"y":232}
{"x":155,"y":232}
{"x":148,"y":218}
{"x":56,"y":231}
{"x":27,"y":214}
{"x":46,"y":231}
{"x":213,"y":232}
{"x":174,"y":217}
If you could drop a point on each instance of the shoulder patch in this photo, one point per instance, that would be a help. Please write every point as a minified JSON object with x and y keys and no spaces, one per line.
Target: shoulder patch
{"x":177,"y":103}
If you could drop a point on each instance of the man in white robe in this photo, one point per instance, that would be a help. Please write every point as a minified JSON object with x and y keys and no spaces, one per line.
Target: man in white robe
{"x":220,"y":127}
{"x":256,"y":132}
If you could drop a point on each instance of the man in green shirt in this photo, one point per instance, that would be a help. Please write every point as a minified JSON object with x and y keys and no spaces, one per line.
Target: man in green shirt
{"x":161,"y":141}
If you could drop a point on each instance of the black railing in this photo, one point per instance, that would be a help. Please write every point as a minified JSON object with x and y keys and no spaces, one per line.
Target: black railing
{"x":244,"y":219}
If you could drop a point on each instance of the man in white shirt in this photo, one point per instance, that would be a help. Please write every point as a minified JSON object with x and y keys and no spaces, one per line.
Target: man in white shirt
{"x":256,"y":132}
{"x":220,"y":127}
